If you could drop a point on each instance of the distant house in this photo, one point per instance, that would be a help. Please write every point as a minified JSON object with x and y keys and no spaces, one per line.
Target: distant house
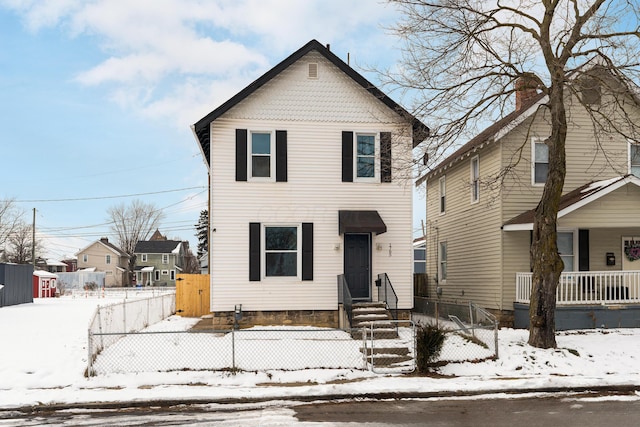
{"x":51,"y":266}
{"x":102,"y":255}
{"x":309,"y":199}
{"x":158,"y":261}
{"x":479,"y":235}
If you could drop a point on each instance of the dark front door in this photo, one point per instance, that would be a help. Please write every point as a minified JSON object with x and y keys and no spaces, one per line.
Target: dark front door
{"x":357,"y":265}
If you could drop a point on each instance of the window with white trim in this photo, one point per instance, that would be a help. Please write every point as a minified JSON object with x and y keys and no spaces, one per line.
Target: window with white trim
{"x":365,"y":158}
{"x":144,"y":257}
{"x":281,"y":252}
{"x":442,"y":194}
{"x":566,"y":246}
{"x":107,"y":259}
{"x":85,"y":258}
{"x":634,"y":158}
{"x":157,"y":275}
{"x":540,"y":164}
{"x":475,"y":179}
{"x":261,"y":157}
{"x":165,"y":258}
{"x":172,"y":275}
{"x":442,"y":261}
{"x":165,"y":272}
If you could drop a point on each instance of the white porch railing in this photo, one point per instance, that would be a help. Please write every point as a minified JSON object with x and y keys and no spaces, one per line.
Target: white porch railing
{"x":587,"y":287}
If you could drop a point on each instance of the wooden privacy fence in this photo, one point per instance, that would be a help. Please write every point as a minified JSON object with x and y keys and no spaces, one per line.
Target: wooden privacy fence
{"x":192,"y":295}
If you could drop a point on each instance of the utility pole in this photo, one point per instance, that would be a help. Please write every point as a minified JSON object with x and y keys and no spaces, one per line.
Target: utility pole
{"x":33,"y":240}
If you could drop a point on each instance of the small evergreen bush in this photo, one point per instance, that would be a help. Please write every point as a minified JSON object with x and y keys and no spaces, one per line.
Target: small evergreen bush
{"x":429,"y":343}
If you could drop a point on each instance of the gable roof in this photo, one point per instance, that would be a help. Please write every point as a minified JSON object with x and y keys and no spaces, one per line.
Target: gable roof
{"x":574,"y":200}
{"x":104,"y":242}
{"x":490,"y":134}
{"x":201,"y":128}
{"x":503,"y":126}
{"x":156,"y":246}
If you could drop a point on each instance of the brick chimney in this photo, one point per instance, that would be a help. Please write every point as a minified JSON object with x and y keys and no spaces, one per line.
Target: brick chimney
{"x":525,"y":90}
{"x":104,"y":240}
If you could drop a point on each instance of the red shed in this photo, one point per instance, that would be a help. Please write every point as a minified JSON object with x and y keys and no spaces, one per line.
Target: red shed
{"x":44,"y":284}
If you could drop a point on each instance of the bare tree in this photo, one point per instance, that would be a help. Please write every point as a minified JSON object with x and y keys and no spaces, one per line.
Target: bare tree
{"x":132,"y":223}
{"x":464,"y":58}
{"x":20,"y":244}
{"x":10,"y":220}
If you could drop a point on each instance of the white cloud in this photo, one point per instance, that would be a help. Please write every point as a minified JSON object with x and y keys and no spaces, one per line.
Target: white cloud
{"x":168,"y":59}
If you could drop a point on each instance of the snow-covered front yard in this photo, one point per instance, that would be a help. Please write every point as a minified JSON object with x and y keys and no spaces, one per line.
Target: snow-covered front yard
{"x":43,"y":357}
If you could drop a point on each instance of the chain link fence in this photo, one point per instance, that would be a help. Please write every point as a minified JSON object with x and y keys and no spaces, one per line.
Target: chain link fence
{"x":254,"y":349}
{"x":109,"y":322}
{"x":471,"y":332}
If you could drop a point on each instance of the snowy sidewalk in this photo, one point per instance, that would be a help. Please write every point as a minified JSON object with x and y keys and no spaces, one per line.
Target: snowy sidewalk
{"x":43,"y":358}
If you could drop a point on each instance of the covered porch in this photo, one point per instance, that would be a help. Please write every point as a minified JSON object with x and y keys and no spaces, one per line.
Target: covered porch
{"x":599,"y":243}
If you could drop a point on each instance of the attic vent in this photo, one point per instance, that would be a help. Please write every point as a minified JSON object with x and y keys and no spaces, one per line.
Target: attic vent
{"x":313,"y":70}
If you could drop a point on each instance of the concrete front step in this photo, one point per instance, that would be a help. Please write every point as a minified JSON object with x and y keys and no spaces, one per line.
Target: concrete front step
{"x":378,"y":333}
{"x":388,"y":361}
{"x":378,"y":351}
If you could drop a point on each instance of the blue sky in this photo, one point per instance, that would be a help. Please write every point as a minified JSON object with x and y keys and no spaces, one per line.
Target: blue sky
{"x":97,"y":97}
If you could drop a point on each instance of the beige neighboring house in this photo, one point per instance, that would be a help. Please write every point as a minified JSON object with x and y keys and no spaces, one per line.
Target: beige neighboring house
{"x":102,"y":255}
{"x":479,"y":230}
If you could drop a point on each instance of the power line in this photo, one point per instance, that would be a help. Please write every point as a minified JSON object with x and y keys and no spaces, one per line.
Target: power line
{"x":106,"y":197}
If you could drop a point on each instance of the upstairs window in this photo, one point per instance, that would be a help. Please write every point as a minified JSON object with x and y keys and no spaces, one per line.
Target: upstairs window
{"x":365,"y":156}
{"x":261,"y":157}
{"x":475,"y":179}
{"x":540,"y":161}
{"x":85,"y":258}
{"x":144,"y":257}
{"x":107,"y":259}
{"x":634,"y":159}
{"x":165,"y":258}
{"x":443,"y":194}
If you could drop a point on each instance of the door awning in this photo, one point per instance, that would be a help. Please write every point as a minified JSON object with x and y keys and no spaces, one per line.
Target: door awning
{"x":361,"y":222}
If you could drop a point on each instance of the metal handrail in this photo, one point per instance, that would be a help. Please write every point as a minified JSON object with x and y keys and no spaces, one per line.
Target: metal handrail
{"x":388,"y":295}
{"x":344,"y":297}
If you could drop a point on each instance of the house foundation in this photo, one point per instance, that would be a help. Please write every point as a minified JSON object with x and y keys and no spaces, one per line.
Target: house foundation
{"x":318,"y":318}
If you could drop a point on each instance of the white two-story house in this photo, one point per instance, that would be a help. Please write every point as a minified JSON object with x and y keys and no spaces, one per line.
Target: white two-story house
{"x":310,"y":194}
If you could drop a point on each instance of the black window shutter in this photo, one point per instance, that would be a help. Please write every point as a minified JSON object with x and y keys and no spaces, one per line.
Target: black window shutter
{"x":281,"y":156}
{"x":241,"y":154}
{"x":583,"y":250}
{"x":307,"y":251}
{"x":254,"y":251}
{"x":385,"y":156}
{"x":347,"y":156}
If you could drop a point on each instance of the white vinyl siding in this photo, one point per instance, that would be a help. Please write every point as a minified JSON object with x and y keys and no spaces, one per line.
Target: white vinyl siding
{"x":314,"y":192}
